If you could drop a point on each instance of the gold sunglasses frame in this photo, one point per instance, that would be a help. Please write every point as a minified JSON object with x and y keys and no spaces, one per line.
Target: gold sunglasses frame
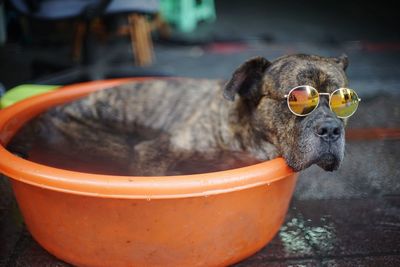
{"x":319,"y":94}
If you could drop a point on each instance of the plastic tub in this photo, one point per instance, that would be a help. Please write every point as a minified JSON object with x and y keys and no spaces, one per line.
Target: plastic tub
{"x":211,"y":219}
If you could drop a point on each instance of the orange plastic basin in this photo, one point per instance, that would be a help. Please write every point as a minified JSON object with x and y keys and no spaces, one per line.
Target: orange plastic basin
{"x":211,"y":219}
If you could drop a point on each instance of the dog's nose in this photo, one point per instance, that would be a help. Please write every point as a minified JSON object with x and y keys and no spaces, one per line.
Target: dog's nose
{"x":329,"y":130}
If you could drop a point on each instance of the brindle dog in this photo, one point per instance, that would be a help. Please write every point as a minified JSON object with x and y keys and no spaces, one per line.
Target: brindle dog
{"x":176,"y":120}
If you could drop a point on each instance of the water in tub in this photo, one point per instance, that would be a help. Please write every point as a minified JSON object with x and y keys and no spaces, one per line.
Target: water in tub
{"x":51,"y":148}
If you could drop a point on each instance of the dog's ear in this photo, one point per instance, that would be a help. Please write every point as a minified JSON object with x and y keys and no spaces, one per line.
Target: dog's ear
{"x":246,"y":78}
{"x":342,"y":61}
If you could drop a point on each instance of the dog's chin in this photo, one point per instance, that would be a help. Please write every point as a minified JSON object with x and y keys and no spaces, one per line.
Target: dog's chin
{"x":328,"y":162}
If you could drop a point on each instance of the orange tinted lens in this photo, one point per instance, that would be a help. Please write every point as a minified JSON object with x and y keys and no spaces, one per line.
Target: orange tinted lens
{"x":303,"y":100}
{"x":344,"y":102}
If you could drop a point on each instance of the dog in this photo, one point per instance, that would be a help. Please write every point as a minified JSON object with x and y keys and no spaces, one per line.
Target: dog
{"x":175,"y":121}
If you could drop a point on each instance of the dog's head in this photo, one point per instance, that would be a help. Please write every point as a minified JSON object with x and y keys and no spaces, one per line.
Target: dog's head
{"x":261,"y":85}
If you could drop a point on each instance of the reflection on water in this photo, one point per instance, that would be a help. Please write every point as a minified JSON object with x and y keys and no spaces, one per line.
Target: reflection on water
{"x":70,"y":156}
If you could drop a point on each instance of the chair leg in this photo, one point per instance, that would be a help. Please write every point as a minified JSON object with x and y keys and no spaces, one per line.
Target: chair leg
{"x":141,"y":42}
{"x":80,"y":31}
{"x":160,"y":25}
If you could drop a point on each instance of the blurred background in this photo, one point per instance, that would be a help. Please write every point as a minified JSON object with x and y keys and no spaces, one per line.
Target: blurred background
{"x":350,"y":217}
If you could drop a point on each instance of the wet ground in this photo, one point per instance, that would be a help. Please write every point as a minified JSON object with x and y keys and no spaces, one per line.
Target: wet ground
{"x":350,"y":217}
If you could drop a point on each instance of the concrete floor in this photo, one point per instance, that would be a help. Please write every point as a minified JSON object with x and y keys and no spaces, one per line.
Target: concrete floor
{"x":350,"y":217}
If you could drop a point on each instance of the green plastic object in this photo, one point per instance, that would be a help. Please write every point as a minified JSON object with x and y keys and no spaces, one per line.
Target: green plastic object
{"x":23,"y":91}
{"x":185,"y":14}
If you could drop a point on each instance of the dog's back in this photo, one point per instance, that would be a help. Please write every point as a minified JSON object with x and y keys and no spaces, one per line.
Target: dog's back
{"x":114,"y":120}
{"x":161,"y":104}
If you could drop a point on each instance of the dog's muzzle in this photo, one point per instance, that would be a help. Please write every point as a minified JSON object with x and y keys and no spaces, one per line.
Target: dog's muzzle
{"x":321,"y":142}
{"x":331,"y":135}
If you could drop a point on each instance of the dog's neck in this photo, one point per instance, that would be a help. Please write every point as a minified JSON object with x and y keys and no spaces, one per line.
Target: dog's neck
{"x":236,"y":132}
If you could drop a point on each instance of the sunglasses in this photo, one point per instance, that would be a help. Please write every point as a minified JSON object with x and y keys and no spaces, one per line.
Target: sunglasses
{"x":304,"y":99}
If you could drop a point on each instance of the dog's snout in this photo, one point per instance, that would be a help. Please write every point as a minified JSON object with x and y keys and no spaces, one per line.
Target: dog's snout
{"x":329,"y":130}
